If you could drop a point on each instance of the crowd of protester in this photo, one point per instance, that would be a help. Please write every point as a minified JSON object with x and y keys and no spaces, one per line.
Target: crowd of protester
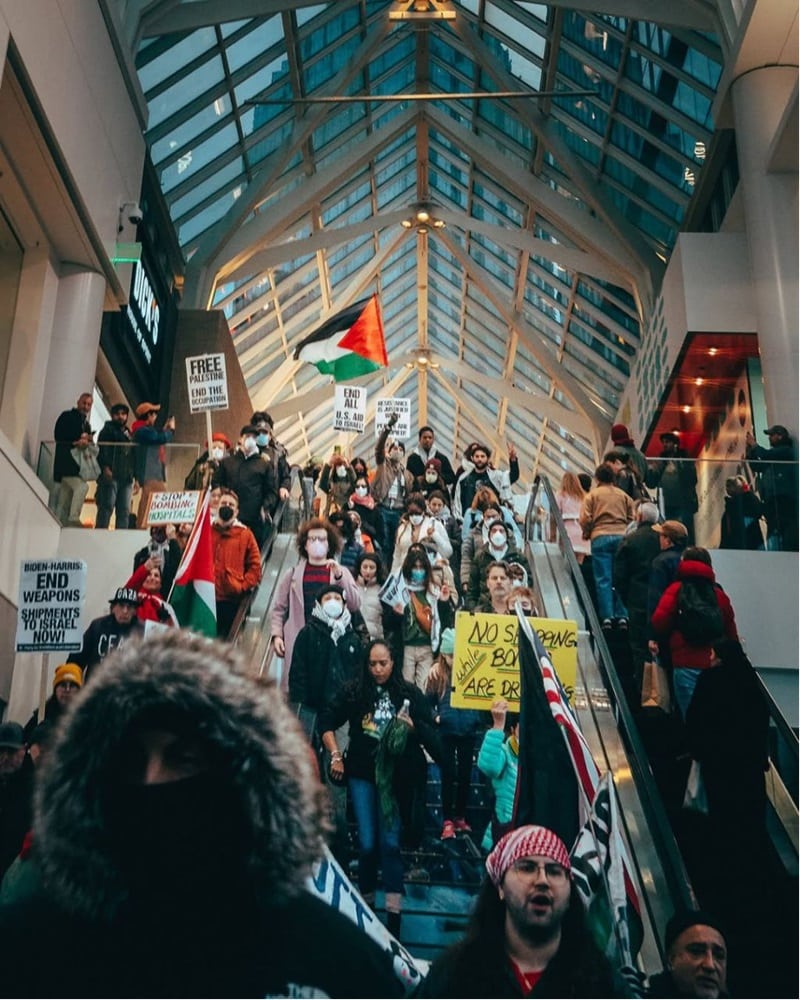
{"x":367,"y":675}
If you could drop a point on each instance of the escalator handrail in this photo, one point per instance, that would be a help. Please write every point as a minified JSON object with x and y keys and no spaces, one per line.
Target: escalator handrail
{"x":677,"y":878}
{"x":266,"y":549}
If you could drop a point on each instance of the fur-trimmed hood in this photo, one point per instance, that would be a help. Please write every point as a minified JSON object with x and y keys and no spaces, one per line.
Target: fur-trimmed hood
{"x":244,"y":720}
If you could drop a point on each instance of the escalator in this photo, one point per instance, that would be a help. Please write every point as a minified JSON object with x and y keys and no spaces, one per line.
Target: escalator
{"x":677,"y":859}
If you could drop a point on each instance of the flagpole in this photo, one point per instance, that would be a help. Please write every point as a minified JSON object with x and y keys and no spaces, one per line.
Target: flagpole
{"x":203,"y":510}
{"x":623,"y":952}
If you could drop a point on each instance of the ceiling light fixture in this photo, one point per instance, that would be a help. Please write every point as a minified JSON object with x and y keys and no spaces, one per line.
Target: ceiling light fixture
{"x":422,"y":10}
{"x":423,"y":218}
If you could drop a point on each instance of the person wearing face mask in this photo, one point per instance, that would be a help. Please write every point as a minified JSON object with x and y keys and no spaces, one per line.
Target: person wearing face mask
{"x":177,"y":821}
{"x":478,"y":471}
{"x":328,"y":654}
{"x":352,"y":546}
{"x":499,"y":547}
{"x":202,"y":472}
{"x":488,"y":510}
{"x":317,"y":544}
{"x":237,"y":561}
{"x":337,"y":481}
{"x":415,"y":629}
{"x":273,"y":451}
{"x":391,"y":486}
{"x":421,"y":456}
{"x":254,"y":480}
{"x":417,"y":526}
{"x":362,"y":500}
{"x":431,"y":479}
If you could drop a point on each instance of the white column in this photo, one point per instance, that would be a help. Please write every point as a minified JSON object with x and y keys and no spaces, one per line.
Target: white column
{"x":760,"y":99}
{"x":74,"y":344}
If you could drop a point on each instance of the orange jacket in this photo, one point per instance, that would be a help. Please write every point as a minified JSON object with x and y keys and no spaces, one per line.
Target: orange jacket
{"x":237,"y":561}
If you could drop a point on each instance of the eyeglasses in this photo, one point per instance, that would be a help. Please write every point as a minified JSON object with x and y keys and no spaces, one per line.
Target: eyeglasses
{"x":529,"y":868}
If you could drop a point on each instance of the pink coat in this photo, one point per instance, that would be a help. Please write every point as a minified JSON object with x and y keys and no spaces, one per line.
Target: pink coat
{"x":288,"y":614}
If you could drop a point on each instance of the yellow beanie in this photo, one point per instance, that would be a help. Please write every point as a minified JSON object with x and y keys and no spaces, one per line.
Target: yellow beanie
{"x":68,"y":672}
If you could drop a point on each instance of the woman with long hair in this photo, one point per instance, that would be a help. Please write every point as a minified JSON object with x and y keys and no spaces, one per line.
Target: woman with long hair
{"x":569,"y":499}
{"x":416,"y":627}
{"x":370,"y":576}
{"x":386,"y":770}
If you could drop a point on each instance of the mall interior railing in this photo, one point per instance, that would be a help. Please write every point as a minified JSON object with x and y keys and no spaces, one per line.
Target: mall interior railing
{"x":178,"y":459}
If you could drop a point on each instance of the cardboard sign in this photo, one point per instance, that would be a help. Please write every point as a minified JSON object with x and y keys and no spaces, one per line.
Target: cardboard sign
{"x":51,"y":595}
{"x":173,"y":508}
{"x":208,"y":382}
{"x":349,"y":408}
{"x":485,"y":658}
{"x":384,"y":408}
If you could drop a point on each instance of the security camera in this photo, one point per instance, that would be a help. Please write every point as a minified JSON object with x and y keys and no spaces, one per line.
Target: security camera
{"x":132,"y":212}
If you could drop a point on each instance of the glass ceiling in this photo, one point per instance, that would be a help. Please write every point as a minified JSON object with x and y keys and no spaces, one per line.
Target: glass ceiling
{"x":519,"y":320}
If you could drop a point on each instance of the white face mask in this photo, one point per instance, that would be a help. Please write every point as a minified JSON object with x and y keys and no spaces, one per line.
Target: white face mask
{"x":217,"y":453}
{"x":249,"y":446}
{"x":333,"y":608}
{"x":430,"y":477}
{"x":361,"y":491}
{"x":317,"y":550}
{"x":415,"y":519}
{"x":498,"y":539}
{"x":341,"y":471}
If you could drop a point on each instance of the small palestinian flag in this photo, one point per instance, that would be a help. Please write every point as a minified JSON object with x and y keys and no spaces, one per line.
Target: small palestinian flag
{"x":349,"y":344}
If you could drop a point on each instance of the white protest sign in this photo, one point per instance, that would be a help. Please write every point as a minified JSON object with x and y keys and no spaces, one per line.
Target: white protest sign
{"x":51,"y":594}
{"x":395,"y":590}
{"x":349,"y":408}
{"x":384,"y":408}
{"x":173,"y":508}
{"x":208,"y":382}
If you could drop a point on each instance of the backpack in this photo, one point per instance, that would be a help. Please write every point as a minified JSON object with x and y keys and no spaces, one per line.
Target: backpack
{"x":699,"y":615}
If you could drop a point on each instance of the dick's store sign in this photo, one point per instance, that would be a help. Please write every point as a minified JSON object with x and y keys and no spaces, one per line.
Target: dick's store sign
{"x":144,"y":312}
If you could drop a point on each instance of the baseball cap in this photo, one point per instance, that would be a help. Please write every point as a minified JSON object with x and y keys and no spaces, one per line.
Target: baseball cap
{"x":125,"y":595}
{"x":777,"y":429}
{"x":11,"y":736}
{"x":674,"y":530}
{"x":144,"y":408}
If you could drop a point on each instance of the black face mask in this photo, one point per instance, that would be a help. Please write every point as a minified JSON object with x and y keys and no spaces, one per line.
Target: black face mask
{"x":175,"y":836}
{"x":225,"y":513}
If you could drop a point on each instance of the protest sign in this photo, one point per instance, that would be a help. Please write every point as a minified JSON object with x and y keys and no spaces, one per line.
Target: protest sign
{"x":172,"y":508}
{"x":349,"y":408}
{"x":384,"y":408}
{"x":51,"y":594}
{"x":485,"y":660}
{"x":394,"y":590}
{"x":208,"y":382}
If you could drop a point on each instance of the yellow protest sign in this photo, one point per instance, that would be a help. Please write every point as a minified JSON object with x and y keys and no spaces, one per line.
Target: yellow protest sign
{"x":485,"y":658}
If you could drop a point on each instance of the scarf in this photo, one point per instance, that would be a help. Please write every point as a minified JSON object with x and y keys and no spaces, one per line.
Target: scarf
{"x":392,"y":745}
{"x":338,"y":626}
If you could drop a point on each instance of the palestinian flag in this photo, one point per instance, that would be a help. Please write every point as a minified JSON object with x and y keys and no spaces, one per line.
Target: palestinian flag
{"x":349,"y":344}
{"x":192,"y":596}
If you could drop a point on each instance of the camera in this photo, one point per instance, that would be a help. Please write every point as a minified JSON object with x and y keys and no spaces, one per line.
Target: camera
{"x":131,"y":211}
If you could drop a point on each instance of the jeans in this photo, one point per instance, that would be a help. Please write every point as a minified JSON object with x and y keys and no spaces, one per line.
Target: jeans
{"x":684,"y":681}
{"x":456,"y":771}
{"x":113,"y":496}
{"x":604,"y":549}
{"x":389,"y":519}
{"x":375,"y":837}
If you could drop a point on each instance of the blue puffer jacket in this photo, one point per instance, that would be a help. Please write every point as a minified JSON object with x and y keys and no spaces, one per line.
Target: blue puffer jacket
{"x":499,"y":763}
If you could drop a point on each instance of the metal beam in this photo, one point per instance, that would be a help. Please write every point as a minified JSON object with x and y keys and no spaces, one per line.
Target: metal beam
{"x":694,"y":14}
{"x":185,"y":17}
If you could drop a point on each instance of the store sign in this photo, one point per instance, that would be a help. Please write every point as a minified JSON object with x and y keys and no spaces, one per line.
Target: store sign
{"x":144,"y":312}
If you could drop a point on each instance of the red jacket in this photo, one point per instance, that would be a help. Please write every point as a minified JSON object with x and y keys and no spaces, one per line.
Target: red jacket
{"x":152,"y":607}
{"x":237,"y":561}
{"x":665,"y":617}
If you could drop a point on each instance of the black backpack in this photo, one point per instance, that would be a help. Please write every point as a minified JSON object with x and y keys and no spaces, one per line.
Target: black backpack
{"x":699,"y":615}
